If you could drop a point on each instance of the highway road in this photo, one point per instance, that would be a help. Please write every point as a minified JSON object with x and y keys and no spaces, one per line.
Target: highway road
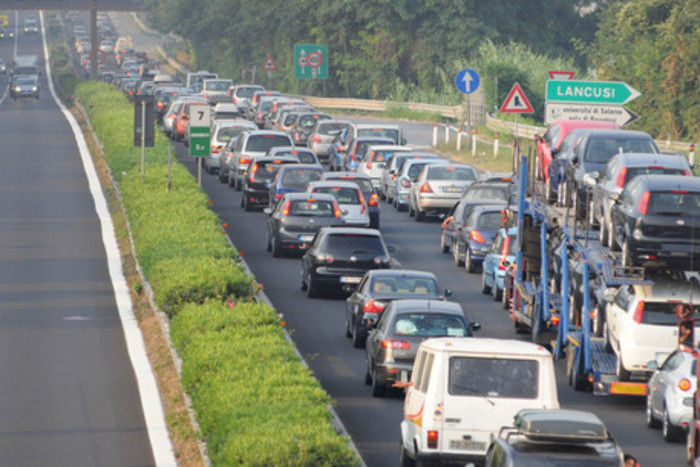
{"x":317,"y":326}
{"x":69,"y":395}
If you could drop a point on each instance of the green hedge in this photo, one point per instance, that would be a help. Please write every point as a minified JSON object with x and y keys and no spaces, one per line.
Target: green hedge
{"x":256,"y":402}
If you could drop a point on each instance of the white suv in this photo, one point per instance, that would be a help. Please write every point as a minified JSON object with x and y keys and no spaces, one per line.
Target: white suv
{"x":253,"y":144}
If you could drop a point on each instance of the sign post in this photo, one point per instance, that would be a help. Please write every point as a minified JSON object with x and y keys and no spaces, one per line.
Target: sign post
{"x":516,"y":102}
{"x":467,"y":81}
{"x":200,"y":126}
{"x":144,"y":128}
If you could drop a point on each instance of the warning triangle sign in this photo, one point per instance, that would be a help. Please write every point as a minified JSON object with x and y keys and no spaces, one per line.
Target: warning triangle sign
{"x":269,"y":65}
{"x":516,"y":102}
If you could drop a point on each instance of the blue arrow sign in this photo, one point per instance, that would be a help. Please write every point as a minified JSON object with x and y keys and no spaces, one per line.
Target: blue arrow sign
{"x":467,"y":81}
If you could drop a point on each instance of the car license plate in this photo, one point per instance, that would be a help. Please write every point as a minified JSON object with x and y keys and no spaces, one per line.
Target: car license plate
{"x":350,"y":279}
{"x":306,"y":238}
{"x":464,"y":444}
{"x":452,"y":189}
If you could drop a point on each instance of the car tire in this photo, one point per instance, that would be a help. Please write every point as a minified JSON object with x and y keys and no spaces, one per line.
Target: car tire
{"x":269,"y":246}
{"x":504,"y":300}
{"x":411,"y":213}
{"x":652,"y":422}
{"x":485,"y":289}
{"x":626,"y":255}
{"x":612,"y":241}
{"x":603,"y":234}
{"x":404,"y":459}
{"x":222,"y":176}
{"x":455,"y":255}
{"x":246,"y":204}
{"x":378,"y":390}
{"x":420,"y":215}
{"x":348,"y":333}
{"x":497,"y":292}
{"x":620,"y":371}
{"x":550,"y":196}
{"x":312,"y":288}
{"x":368,"y":376}
{"x":469,"y":263}
{"x":358,"y":338}
{"x":671,"y":433}
{"x":578,"y":383}
{"x":231,"y":181}
{"x":238,"y":184}
{"x":444,"y":247}
{"x":243,"y":201}
{"x":304,"y":285}
{"x":606,"y":338}
{"x":276,"y":250}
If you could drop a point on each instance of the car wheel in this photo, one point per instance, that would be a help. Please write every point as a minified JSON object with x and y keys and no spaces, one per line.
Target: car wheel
{"x":469,"y":263}
{"x":401,"y":207}
{"x":222,"y":176}
{"x":269,"y":244}
{"x":612,"y":241}
{"x":549,"y":192}
{"x":603,"y":233}
{"x":577,"y":382}
{"x":243,"y":201}
{"x":626,"y":256}
{"x":591,"y":216}
{"x":239,"y":184}
{"x":231,"y":181}
{"x":358,"y":338}
{"x":312,"y":288}
{"x":455,"y":254}
{"x":276,"y":249}
{"x":378,"y":390}
{"x":504,"y":299}
{"x":444,"y":247}
{"x":404,"y":459}
{"x":598,"y":321}
{"x":606,"y":338}
{"x":497,"y":292}
{"x":652,"y":422}
{"x":670,"y":432}
{"x":485,"y":289}
{"x":621,"y":371}
{"x":368,"y":376}
{"x":348,"y":333}
{"x":246,"y":204}
{"x":411,"y":212}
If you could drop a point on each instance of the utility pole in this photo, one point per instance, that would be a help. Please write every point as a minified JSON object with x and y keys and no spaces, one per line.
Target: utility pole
{"x":93,"y":40}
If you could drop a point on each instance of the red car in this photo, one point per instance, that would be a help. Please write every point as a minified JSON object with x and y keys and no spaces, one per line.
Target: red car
{"x":555,"y":135}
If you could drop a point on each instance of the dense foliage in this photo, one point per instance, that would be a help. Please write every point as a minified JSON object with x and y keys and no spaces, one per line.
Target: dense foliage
{"x":375,"y":47}
{"x":255,"y":401}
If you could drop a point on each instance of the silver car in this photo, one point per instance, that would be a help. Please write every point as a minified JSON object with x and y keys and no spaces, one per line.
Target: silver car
{"x":670,"y":395}
{"x":405,"y":179}
{"x":349,"y":198}
{"x":322,"y":135}
{"x":249,"y":145}
{"x":391,"y":171}
{"x":438,"y":188}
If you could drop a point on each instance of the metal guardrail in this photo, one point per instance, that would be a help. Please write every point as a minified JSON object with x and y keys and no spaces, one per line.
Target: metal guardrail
{"x":381,"y":106}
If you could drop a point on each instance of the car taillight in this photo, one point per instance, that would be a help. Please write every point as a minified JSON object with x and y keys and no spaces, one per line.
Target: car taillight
{"x":285,"y":208}
{"x":159,"y":105}
{"x":374,"y":199}
{"x":396,"y":344}
{"x":687,"y":172}
{"x":502,"y":263}
{"x":297,"y":136}
{"x":244,"y":160}
{"x":278,"y":196}
{"x":364,"y":205}
{"x":323,"y":258}
{"x":336,"y":210}
{"x":644,"y":203}
{"x":317,"y":139}
{"x":476,"y":236}
{"x":432,"y":439}
{"x":684,"y":384}
{"x":252,"y":172}
{"x":215,"y":149}
{"x":406,"y":184}
{"x":373,"y":307}
{"x":426,"y":188}
{"x":620,"y":182}
{"x":638,"y":312}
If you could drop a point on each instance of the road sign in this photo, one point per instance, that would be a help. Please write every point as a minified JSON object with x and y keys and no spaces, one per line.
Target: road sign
{"x":591,"y":92}
{"x":269,"y":64}
{"x":607,"y":113}
{"x":310,"y":61}
{"x":516,"y":102}
{"x":100,"y":57}
{"x":467,"y":81}
{"x":561,"y":75}
{"x":200,"y":122}
{"x":144,"y":121}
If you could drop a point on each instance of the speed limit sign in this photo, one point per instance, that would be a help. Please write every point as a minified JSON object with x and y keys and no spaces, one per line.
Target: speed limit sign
{"x":100,"y":57}
{"x":315,"y":59}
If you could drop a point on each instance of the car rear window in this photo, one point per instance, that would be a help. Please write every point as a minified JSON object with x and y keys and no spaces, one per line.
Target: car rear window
{"x":225,"y":134}
{"x":354,"y":243}
{"x":486,"y":193}
{"x":674,"y":203}
{"x":298,"y":178}
{"x":405,"y":285}
{"x":263,"y":143}
{"x":490,"y":221}
{"x":600,"y":150}
{"x":379,"y":132}
{"x":305,"y":157}
{"x":429,"y":325}
{"x":246,"y":91}
{"x":364,"y":184}
{"x":662,"y":313}
{"x":268,"y":169}
{"x":451,"y":173}
{"x":311,"y":208}
{"x":415,"y":169}
{"x":382,"y":156}
{"x":635,"y":171}
{"x":332,"y":129}
{"x":342,"y":195}
{"x":308,"y":121}
{"x":493,"y":377}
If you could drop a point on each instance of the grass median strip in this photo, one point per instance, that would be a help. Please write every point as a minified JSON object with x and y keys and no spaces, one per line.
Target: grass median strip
{"x":256,"y":403}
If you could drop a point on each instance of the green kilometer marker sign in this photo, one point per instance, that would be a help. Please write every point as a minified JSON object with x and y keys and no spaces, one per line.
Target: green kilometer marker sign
{"x":200,"y":120}
{"x":591,"y":92}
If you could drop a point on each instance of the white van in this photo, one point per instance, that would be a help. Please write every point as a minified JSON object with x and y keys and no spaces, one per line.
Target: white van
{"x":463,"y":391}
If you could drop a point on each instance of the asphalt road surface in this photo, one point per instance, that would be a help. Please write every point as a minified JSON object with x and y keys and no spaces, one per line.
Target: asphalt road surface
{"x":68,"y":394}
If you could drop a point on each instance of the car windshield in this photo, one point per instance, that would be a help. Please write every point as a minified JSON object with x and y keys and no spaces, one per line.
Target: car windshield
{"x":290,"y":119}
{"x":600,"y":150}
{"x":311,"y":208}
{"x":429,"y":325}
{"x":263,"y":143}
{"x":298,"y":178}
{"x":342,"y":195}
{"x":415,"y":169}
{"x":332,"y":129}
{"x":25,"y":81}
{"x":405,"y":286}
{"x":380,"y":132}
{"x":354,"y":243}
{"x":490,"y":221}
{"x":674,"y":203}
{"x":493,"y":377}
{"x":486,"y":193}
{"x":305,"y":157}
{"x":451,"y":173}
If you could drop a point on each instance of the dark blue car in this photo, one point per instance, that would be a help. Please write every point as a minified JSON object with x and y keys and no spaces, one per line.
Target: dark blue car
{"x":479,"y":231}
{"x":292,"y":178}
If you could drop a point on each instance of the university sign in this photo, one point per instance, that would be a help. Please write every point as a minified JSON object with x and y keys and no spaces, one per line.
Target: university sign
{"x":591,"y":92}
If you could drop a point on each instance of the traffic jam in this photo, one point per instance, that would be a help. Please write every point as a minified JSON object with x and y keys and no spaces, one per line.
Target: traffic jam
{"x":587,"y":250}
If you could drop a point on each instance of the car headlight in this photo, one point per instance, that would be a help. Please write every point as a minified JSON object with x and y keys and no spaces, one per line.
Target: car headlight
{"x":35,"y":89}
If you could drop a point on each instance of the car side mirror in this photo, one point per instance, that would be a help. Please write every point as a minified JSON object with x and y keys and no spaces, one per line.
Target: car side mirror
{"x":267,"y":211}
{"x":652,"y":365}
{"x":609,"y":294}
{"x":391,"y":249}
{"x":447,"y":293}
{"x":475,"y":326}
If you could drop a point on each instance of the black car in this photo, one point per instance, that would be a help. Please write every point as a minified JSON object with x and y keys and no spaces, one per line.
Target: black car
{"x":368,"y":192}
{"x":394,"y":338}
{"x":476,"y":234}
{"x":454,"y":232}
{"x":592,"y":152}
{"x":655,"y":222}
{"x":381,"y":286}
{"x":293,"y":224}
{"x":259,"y":174}
{"x":554,"y":438}
{"x":619,"y":171}
{"x":340,"y":257}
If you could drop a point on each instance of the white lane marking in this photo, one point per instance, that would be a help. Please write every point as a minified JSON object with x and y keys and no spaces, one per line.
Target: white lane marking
{"x":161,"y":446}
{"x":76,"y":318}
